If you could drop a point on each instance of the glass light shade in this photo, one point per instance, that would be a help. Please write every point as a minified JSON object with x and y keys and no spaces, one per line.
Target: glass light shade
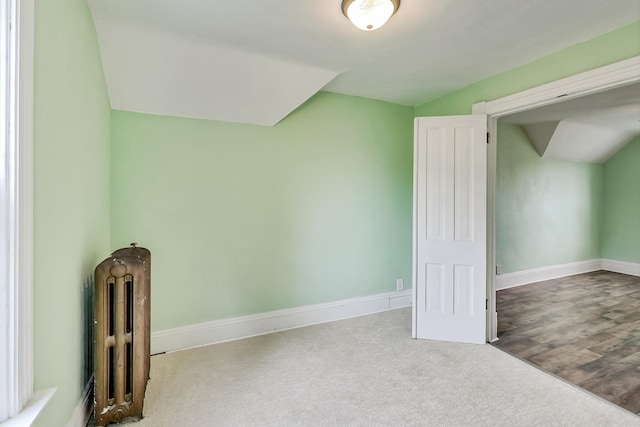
{"x":369,"y":15}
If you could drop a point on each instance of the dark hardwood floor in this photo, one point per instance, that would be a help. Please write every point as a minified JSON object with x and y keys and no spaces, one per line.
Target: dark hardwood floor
{"x":583,"y":328}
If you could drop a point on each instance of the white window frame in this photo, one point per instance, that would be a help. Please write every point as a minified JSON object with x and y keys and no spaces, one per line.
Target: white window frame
{"x":19,"y":405}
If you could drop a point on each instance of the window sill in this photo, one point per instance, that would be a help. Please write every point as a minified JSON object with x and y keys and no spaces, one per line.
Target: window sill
{"x":31,"y":411}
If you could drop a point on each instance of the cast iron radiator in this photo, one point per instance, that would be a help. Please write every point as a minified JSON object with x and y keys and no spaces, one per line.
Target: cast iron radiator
{"x":121,"y":335}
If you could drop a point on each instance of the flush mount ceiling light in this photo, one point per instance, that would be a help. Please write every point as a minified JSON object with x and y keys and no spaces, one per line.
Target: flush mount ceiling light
{"x":369,"y":14}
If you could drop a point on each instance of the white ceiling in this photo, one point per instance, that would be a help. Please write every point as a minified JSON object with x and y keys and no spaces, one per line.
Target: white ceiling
{"x":587,"y":129}
{"x":256,"y":60}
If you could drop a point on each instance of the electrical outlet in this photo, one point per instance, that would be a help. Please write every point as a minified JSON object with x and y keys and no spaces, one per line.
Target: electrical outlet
{"x":498,"y":269}
{"x":399,"y":284}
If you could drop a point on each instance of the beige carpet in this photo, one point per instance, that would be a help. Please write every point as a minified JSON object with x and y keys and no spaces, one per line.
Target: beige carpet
{"x":365,"y":371}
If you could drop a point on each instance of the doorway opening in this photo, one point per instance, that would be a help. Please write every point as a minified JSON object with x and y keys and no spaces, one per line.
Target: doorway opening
{"x":589,"y":352}
{"x":598,"y":80}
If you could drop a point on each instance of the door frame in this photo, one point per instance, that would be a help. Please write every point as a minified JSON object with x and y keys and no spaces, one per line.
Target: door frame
{"x":593,"y":81}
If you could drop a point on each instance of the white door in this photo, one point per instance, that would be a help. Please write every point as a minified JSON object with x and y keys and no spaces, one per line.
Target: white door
{"x":449,"y":228}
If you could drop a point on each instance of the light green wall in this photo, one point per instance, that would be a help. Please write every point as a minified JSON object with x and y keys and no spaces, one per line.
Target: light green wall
{"x":614,"y":46}
{"x":71,"y":200}
{"x":240,"y":219}
{"x":547,"y":211}
{"x":244,"y":219}
{"x":621,"y":205}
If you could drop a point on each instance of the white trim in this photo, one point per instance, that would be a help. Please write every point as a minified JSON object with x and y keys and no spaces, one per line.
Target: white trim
{"x":524,"y":277}
{"x":414,"y":241}
{"x":610,"y":76}
{"x":400,"y":299}
{"x":264,"y":323}
{"x":26,"y":28}
{"x":31,"y":410}
{"x":630,"y":268}
{"x":17,"y":200}
{"x":82,"y":412}
{"x":492,"y":160}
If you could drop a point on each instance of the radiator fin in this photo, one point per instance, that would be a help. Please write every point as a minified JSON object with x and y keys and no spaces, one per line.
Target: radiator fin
{"x":121,"y":335}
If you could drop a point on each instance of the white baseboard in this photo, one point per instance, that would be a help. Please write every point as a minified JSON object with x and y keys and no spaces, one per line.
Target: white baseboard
{"x":82,"y":412}
{"x":259,"y":324}
{"x":533,"y":275}
{"x":630,"y":268}
{"x":525,"y":277}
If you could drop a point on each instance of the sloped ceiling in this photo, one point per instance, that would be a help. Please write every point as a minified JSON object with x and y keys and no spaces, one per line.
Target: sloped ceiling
{"x":254,"y":61}
{"x":588,"y":129}
{"x":148,"y":70}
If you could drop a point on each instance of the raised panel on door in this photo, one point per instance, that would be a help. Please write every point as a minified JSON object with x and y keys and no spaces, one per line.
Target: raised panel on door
{"x":449,"y":259}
